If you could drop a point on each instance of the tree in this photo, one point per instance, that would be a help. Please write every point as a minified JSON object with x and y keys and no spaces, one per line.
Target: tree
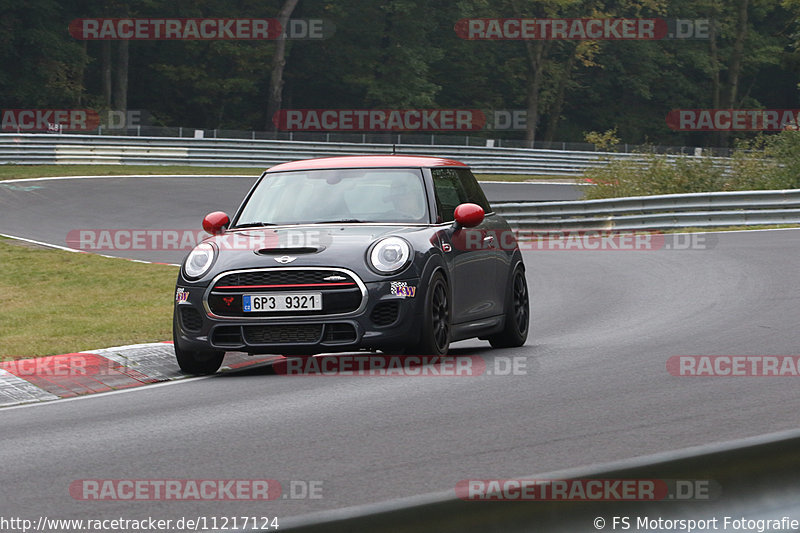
{"x":42,"y":64}
{"x":278,"y":64}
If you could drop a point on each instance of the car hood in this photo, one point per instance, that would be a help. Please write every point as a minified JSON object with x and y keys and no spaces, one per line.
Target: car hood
{"x":341,"y":245}
{"x":319,"y":237}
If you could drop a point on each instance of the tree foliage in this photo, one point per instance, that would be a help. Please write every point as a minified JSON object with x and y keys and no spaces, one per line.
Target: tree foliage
{"x":406,"y":54}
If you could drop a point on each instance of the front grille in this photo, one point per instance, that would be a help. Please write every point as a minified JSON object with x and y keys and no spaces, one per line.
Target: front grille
{"x":282,"y":334}
{"x":284,"y":277}
{"x":385,"y":313}
{"x":340,"y":333}
{"x":340,"y":295}
{"x":190,"y":318}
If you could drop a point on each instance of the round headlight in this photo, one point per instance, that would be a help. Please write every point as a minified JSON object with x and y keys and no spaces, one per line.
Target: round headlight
{"x":390,"y":255}
{"x":199,"y":260}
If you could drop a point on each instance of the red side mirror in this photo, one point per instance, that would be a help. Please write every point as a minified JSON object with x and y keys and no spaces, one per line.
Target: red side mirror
{"x":216,"y":222}
{"x":469,"y":215}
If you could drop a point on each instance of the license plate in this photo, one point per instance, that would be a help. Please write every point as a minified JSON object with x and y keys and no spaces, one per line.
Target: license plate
{"x":282,"y":301}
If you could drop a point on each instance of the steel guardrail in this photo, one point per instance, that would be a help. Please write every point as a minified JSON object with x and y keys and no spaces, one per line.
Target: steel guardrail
{"x":27,"y":148}
{"x":672,"y":211}
{"x":647,"y":212}
{"x":753,"y":477}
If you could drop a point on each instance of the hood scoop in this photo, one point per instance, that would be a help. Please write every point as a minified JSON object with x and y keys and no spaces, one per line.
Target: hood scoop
{"x":290,"y":250}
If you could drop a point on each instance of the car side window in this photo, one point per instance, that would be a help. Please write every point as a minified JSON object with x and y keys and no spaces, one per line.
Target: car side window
{"x":473,"y":189}
{"x":449,"y":192}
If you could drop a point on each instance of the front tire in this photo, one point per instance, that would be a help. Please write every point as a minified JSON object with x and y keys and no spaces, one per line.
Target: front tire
{"x":198,"y":362}
{"x":435,"y":335}
{"x":517,"y":319}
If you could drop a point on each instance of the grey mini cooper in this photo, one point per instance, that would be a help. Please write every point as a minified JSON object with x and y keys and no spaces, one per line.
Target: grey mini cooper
{"x":393,"y":253}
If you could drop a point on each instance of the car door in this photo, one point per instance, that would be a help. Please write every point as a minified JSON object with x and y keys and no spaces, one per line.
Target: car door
{"x":472,"y":259}
{"x":497,"y":236}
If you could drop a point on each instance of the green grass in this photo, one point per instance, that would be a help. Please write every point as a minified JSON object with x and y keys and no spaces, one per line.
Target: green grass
{"x":9,"y":172}
{"x":767,"y":162}
{"x":56,"y":302}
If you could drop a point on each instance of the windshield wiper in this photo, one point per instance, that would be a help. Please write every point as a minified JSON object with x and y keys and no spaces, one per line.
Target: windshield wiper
{"x":254,"y":225}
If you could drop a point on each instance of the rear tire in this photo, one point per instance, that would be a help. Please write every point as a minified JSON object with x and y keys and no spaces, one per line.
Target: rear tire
{"x":434,"y":337}
{"x":198,"y":362}
{"x":517,"y":315}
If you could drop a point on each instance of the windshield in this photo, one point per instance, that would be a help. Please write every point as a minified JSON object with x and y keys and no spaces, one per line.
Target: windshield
{"x":340,"y":195}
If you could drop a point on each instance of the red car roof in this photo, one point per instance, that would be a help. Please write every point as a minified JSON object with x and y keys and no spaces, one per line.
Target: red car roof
{"x":361,"y":161}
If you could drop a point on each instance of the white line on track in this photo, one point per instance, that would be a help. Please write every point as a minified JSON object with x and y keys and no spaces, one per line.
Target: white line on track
{"x":40,"y":243}
{"x":19,"y":180}
{"x":66,"y":249}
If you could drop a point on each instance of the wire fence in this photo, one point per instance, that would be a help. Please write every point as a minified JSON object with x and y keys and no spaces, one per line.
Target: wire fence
{"x":433,"y":139}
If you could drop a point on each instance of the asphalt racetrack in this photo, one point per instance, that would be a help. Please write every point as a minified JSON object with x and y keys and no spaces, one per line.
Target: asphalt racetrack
{"x":48,"y":210}
{"x":594,"y":388}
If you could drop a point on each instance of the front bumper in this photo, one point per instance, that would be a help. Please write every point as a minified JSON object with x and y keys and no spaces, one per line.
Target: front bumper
{"x":387,"y":319}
